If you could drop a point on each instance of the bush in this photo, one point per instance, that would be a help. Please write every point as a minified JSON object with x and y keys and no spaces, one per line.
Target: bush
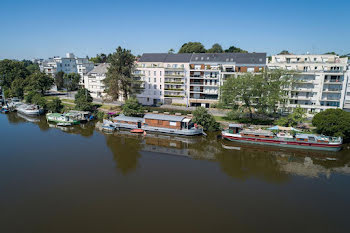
{"x":55,"y":105}
{"x":83,"y":100}
{"x":202,"y":117}
{"x":39,"y":100}
{"x":132,"y":108}
{"x":234,"y":115}
{"x":293,"y":119}
{"x":29,"y":97}
{"x":333,"y":122}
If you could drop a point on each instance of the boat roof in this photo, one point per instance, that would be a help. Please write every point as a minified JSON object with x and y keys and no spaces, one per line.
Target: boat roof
{"x":260,"y":132}
{"x":163,"y":117}
{"x":80,"y":112}
{"x":305,"y":135}
{"x":235,"y":125}
{"x":127,"y":118}
{"x":55,"y":114}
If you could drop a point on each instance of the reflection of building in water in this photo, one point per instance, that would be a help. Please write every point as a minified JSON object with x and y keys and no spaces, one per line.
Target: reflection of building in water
{"x":166,"y":146}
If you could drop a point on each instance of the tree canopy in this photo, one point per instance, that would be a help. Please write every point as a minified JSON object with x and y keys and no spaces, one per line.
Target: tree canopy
{"x":59,"y":80}
{"x":83,"y":100}
{"x":192,"y":47}
{"x":100,"y":58}
{"x":233,"y":49}
{"x":263,"y":92}
{"x":284,"y":52}
{"x":11,"y":70}
{"x":216,"y":48}
{"x":55,"y":105}
{"x":132,"y":107}
{"x":119,"y":79}
{"x":202,"y":117}
{"x":71,"y":81}
{"x":333,"y":122}
{"x":296,"y":117}
{"x":39,"y":82}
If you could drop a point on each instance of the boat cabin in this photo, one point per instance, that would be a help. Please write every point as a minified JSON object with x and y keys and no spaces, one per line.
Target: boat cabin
{"x":121,"y":119}
{"x":168,"y":121}
{"x":235,"y":128}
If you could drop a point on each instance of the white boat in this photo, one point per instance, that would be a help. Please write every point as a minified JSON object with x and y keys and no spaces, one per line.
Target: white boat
{"x":30,"y":109}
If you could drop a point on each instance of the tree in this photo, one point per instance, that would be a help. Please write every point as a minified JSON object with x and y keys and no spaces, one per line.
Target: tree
{"x":333,"y":122}
{"x":17,"y":88}
{"x":293,"y":119}
{"x":39,"y":82}
{"x":132,"y":107}
{"x":202,"y":117}
{"x":171,"y":51}
{"x":39,"y":100}
{"x":216,"y":48}
{"x":233,"y":49}
{"x":11,"y":70}
{"x":100,"y":58}
{"x":83,"y":100}
{"x":192,"y":47}
{"x":263,"y":92}
{"x":119,"y":79}
{"x":59,"y":80}
{"x":71,"y":81}
{"x":284,"y":52}
{"x":332,"y":53}
{"x":32,"y":68}
{"x":55,"y":105}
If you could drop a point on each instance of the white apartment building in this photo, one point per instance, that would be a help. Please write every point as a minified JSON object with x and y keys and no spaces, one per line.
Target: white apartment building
{"x":68,"y":64}
{"x":191,"y":79}
{"x":321,"y":80}
{"x":347,"y":90}
{"x":93,"y":80}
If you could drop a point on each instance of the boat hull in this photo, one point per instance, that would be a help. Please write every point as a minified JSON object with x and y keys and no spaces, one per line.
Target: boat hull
{"x":288,"y":144}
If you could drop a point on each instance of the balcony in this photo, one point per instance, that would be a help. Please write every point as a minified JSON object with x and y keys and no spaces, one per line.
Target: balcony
{"x":332,"y":90}
{"x":173,"y":82}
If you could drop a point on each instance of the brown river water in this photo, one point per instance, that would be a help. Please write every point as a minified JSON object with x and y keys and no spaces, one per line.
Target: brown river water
{"x":77,"y":179}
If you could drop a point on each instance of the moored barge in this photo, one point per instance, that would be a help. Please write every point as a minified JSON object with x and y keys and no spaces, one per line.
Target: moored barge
{"x":160,"y":123}
{"x":282,"y":137}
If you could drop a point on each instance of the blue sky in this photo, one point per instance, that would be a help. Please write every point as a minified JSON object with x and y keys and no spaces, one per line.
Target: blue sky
{"x":31,"y":29}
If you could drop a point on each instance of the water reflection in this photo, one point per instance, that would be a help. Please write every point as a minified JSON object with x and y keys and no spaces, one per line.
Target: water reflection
{"x":236,"y":160}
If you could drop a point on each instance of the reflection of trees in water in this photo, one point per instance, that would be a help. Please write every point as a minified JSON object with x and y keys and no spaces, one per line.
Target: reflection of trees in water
{"x":244,"y":164}
{"x":125,"y":151}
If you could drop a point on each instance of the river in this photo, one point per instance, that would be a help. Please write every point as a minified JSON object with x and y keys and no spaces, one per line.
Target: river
{"x":77,"y":179}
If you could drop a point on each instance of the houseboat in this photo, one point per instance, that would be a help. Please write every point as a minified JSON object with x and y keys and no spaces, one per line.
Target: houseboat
{"x":282,"y":136}
{"x":81,"y":116}
{"x":160,"y":123}
{"x":61,"y":119}
{"x":30,"y":109}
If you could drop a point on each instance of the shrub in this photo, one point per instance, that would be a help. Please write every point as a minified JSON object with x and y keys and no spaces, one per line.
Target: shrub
{"x":333,"y":122}
{"x":55,"y":105}
{"x":83,"y":100}
{"x":132,"y":108}
{"x":293,"y":119}
{"x":202,"y":117}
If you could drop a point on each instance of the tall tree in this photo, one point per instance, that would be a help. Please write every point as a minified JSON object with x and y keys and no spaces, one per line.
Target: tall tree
{"x":11,"y":70}
{"x":284,"y":52}
{"x":171,"y":51}
{"x":71,"y":81}
{"x":17,"y":88}
{"x":39,"y":82}
{"x":59,"y":80}
{"x":119,"y":79}
{"x":192,"y":47}
{"x":83,"y":100}
{"x":216,"y":48}
{"x":233,"y":49}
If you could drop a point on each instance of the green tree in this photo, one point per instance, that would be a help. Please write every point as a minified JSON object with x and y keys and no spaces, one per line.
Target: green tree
{"x":233,"y":49}
{"x":59,"y":80}
{"x":71,"y":81}
{"x":17,"y":88}
{"x":39,"y":82}
{"x":32,"y":68}
{"x":39,"y":100}
{"x":100,"y":58}
{"x":192,"y":47}
{"x":284,"y":52}
{"x":55,"y":105}
{"x":119,"y":79}
{"x":11,"y":70}
{"x":171,"y":51}
{"x":29,"y":96}
{"x":293,"y":119}
{"x":83,"y":100}
{"x":333,"y":122}
{"x":132,"y":107}
{"x":332,"y":53}
{"x":216,"y":48}
{"x":202,"y":117}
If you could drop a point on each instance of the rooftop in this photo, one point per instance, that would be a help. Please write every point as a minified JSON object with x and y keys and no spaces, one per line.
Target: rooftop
{"x":163,"y":117}
{"x":100,"y":69}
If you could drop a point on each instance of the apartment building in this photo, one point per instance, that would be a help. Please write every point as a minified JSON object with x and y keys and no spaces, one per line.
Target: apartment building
{"x":347,"y":90}
{"x":68,"y":64}
{"x":191,"y":79}
{"x":321,"y":80}
{"x":93,"y":80}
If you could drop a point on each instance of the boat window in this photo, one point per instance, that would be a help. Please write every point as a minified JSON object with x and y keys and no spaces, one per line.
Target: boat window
{"x":312,"y":139}
{"x":172,"y":123}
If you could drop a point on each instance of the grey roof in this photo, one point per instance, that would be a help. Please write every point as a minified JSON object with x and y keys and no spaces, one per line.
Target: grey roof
{"x":238,"y":58}
{"x":235,"y":125}
{"x":100,"y":69}
{"x":163,"y":117}
{"x":127,"y":118}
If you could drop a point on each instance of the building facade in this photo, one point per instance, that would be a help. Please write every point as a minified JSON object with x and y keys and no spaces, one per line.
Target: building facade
{"x":191,"y":79}
{"x":320,"y":84}
{"x":93,"y":80}
{"x":347,"y":90}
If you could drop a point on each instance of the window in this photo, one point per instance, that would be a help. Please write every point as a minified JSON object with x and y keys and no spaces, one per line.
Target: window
{"x":160,"y":73}
{"x":160,"y":87}
{"x":149,"y":86}
{"x":172,"y":123}
{"x":155,"y":73}
{"x":149,"y":80}
{"x":155,"y":80}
